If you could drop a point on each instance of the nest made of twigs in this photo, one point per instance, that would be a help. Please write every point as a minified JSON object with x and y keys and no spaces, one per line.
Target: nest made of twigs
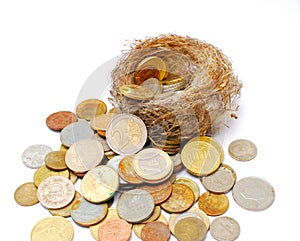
{"x":200,"y":107}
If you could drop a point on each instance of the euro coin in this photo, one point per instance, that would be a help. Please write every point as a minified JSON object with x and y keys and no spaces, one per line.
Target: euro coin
{"x":90,"y":108}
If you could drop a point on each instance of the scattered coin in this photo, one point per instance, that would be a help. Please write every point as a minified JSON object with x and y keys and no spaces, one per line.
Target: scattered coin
{"x":126,"y":170}
{"x":253,"y":193}
{"x":59,"y":120}
{"x":44,"y":172}
{"x":155,"y":231}
{"x":114,"y":229}
{"x":114,"y":163}
{"x":126,"y":134}
{"x":52,"y":228}
{"x":135,"y":205}
{"x":55,"y":160}
{"x":63,"y":148}
{"x":213,"y":204}
{"x":145,"y":74}
{"x":33,"y":156}
{"x":155,"y":62}
{"x":225,"y":229}
{"x":90,"y":108}
{"x":191,"y":184}
{"x":56,"y":192}
{"x":136,"y":92}
{"x":154,"y":85}
{"x":101,"y":122}
{"x":26,"y":194}
{"x":177,"y":163}
{"x":156,"y":213}
{"x":242,"y":150}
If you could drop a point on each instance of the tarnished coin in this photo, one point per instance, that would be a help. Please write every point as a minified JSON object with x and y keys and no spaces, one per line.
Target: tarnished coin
{"x":155,"y":231}
{"x":155,"y":62}
{"x":253,"y":193}
{"x":181,"y":199}
{"x":114,"y":229}
{"x":59,"y":120}
{"x":135,"y":205}
{"x":52,"y":229}
{"x":242,"y":150}
{"x":99,"y":184}
{"x":56,"y":192}
{"x":33,"y":156}
{"x":90,"y":108}
{"x":154,"y":85}
{"x":136,"y":92}
{"x":126,"y":170}
{"x":86,"y":213}
{"x":220,"y":181}
{"x":200,"y":158}
{"x":75,"y":132}
{"x":126,"y":134}
{"x":44,"y":172}
{"x":26,"y":194}
{"x":114,"y":163}
{"x":213,"y":204}
{"x":191,"y":184}
{"x":84,"y":155}
{"x":55,"y":160}
{"x":101,"y":122}
{"x":225,"y":229}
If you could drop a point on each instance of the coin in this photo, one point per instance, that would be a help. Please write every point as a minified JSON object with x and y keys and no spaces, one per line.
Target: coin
{"x":152,"y":164}
{"x":114,"y":163}
{"x":90,"y":108}
{"x":191,"y":184}
{"x":181,"y":199}
{"x":59,"y":120}
{"x":65,"y":211}
{"x":220,"y":181}
{"x":154,"y":85}
{"x":101,"y":122}
{"x":155,"y":62}
{"x":44,"y":172}
{"x":99,"y":184}
{"x":115,"y":110}
{"x":55,"y":160}
{"x":75,"y":132}
{"x":156,"y":213}
{"x":177,"y":163}
{"x":63,"y":148}
{"x":126,"y":170}
{"x":84,"y":155}
{"x":26,"y":194}
{"x":145,"y":74}
{"x":114,"y":229}
{"x":136,"y":92}
{"x":242,"y":150}
{"x":33,"y":156}
{"x":73,"y":177}
{"x":56,"y":192}
{"x":200,"y":158}
{"x":126,"y":134}
{"x":102,"y":141}
{"x":155,"y":231}
{"x":253,"y":193}
{"x":225,"y":229}
{"x":135,"y":205}
{"x":86,"y":213}
{"x":213,"y":204}
{"x":52,"y":229}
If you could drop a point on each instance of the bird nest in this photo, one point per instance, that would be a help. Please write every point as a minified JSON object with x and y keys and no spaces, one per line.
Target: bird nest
{"x":200,"y":90}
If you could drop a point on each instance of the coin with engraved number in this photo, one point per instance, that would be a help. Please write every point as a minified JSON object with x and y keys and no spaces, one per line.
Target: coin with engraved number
{"x":213,"y":204}
{"x":136,"y":92}
{"x":126,"y":134}
{"x":253,"y":193}
{"x":33,"y":156}
{"x":155,"y":231}
{"x":59,"y":120}
{"x":90,"y":108}
{"x":225,"y":229}
{"x":135,"y":205}
{"x":56,"y":192}
{"x":26,"y":194}
{"x":242,"y":150}
{"x":52,"y":229}
{"x":114,"y":229}
{"x":44,"y":172}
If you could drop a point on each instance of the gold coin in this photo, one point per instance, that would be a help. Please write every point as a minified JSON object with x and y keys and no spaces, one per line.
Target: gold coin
{"x":156,"y":213}
{"x":213,"y":204}
{"x":73,"y":177}
{"x":191,"y":184}
{"x":26,"y":194}
{"x":90,"y":108}
{"x":101,"y":122}
{"x":63,"y":148}
{"x":115,"y":110}
{"x":52,"y":229}
{"x":200,"y":158}
{"x":55,"y":160}
{"x":136,"y":92}
{"x":126,"y":171}
{"x":154,"y":85}
{"x":156,"y":63}
{"x":172,"y":81}
{"x":44,"y":172}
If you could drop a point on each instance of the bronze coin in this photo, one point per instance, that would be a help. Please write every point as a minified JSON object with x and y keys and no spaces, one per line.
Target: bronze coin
{"x":213,"y":204}
{"x":90,"y":108}
{"x":155,"y":231}
{"x":59,"y":120}
{"x":114,"y":229}
{"x":26,"y":194}
{"x":146,"y":73}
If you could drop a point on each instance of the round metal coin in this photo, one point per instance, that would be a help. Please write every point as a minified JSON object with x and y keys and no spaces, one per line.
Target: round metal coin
{"x":33,"y":156}
{"x":114,"y":229}
{"x":225,"y":229}
{"x":242,"y":150}
{"x":59,"y":120}
{"x":90,"y":108}
{"x":213,"y":204}
{"x":155,"y":231}
{"x":26,"y":194}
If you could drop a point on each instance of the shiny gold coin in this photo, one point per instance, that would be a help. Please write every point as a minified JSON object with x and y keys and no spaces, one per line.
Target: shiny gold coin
{"x":172,"y":81}
{"x":63,"y":148}
{"x":55,"y":160}
{"x":115,"y":110}
{"x":154,"y":85}
{"x":26,"y":194}
{"x":213,"y":204}
{"x":200,"y":158}
{"x":90,"y":108}
{"x":191,"y":184}
{"x":155,"y":62}
{"x":101,"y":133}
{"x":44,"y":172}
{"x":136,"y":92}
{"x":126,"y":171}
{"x":52,"y":229}
{"x":101,"y":122}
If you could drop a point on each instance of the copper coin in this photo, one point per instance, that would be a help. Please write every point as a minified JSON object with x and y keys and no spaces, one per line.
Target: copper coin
{"x":155,"y":231}
{"x":55,"y":160}
{"x":114,"y":229}
{"x":181,"y":199}
{"x":127,"y":172}
{"x":90,"y":108}
{"x":59,"y":120}
{"x":213,"y":204}
{"x":160,"y":192}
{"x":26,"y":194}
{"x":146,"y":73}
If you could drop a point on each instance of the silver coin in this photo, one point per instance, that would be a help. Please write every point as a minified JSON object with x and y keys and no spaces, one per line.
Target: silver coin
{"x":56,"y":192}
{"x":253,"y":193}
{"x":135,"y":205}
{"x":75,"y":132}
{"x":33,"y":156}
{"x":114,"y":163}
{"x":242,"y":150}
{"x":102,"y":141}
{"x":86,"y":213}
{"x":225,"y":229}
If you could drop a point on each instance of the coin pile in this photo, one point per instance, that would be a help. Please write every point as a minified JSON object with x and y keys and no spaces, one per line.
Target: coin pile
{"x":109,"y":154}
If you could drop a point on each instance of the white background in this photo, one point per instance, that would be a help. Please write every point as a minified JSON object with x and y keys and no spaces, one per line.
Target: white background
{"x":48,"y":49}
